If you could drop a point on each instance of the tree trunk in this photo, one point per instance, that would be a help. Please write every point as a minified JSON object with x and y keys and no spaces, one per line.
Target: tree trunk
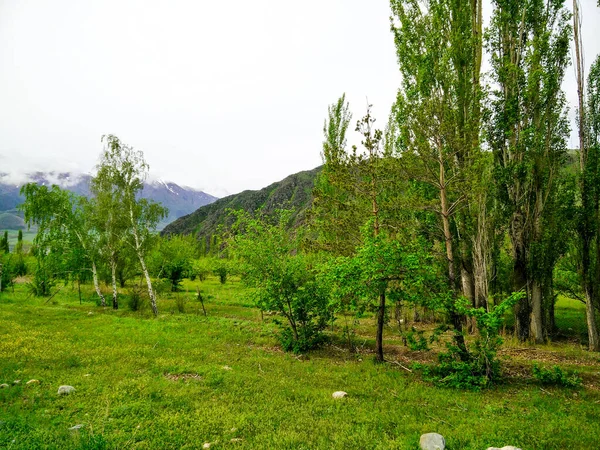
{"x":113,"y":270}
{"x":380,"y":323}
{"x":590,"y":314}
{"x":455,"y":318}
{"x":537,"y":328}
{"x":97,"y":285}
{"x":520,"y":279}
{"x":138,"y":250}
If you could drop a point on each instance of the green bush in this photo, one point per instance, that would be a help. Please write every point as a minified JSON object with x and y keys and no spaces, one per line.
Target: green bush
{"x":478,"y":367}
{"x":416,"y":340}
{"x":282,"y":279}
{"x":221,"y":271}
{"x":555,"y":376}
{"x":135,"y":302}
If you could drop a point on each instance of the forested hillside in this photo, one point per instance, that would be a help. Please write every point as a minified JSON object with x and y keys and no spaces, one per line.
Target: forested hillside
{"x":293,"y":192}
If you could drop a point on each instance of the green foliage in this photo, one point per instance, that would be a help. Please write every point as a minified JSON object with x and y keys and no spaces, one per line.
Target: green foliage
{"x":481,"y":367}
{"x":136,"y":301}
{"x":200,"y":269}
{"x":416,"y":340}
{"x":556,"y":376}
{"x":4,"y":248}
{"x":282,"y":278}
{"x":172,"y":259}
{"x":221,"y":269}
{"x":8,"y":271}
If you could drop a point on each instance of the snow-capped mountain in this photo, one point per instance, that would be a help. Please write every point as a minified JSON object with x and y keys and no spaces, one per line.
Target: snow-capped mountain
{"x":179,"y":200}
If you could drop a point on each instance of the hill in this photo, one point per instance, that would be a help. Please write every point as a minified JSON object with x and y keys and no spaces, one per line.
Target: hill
{"x":179,"y":200}
{"x":293,"y":192}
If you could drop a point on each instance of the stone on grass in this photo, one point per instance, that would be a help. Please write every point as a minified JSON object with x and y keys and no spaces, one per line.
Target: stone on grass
{"x":66,"y":390}
{"x":33,"y":381}
{"x":4,"y":386}
{"x":227,"y":368}
{"x":339,"y":394}
{"x":206,"y":445}
{"x":507,"y":447}
{"x":17,"y":382}
{"x":76,"y":427}
{"x":432,"y":441}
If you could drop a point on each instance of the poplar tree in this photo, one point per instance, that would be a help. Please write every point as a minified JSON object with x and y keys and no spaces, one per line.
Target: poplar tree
{"x":529,"y":45}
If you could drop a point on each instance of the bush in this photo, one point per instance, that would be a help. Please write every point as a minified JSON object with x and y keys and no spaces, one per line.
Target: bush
{"x":555,"y":376}
{"x":283,"y":280}
{"x":478,"y":367}
{"x":416,"y":340}
{"x":180,"y":302}
{"x":221,"y":271}
{"x":135,"y":302}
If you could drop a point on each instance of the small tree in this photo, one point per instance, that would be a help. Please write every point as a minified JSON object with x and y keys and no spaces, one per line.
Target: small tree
{"x":381,"y":267}
{"x":172,"y":259}
{"x":282,"y":278}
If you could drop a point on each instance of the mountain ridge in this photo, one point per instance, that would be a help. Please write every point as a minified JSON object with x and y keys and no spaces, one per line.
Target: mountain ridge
{"x":293,"y":192}
{"x":179,"y":200}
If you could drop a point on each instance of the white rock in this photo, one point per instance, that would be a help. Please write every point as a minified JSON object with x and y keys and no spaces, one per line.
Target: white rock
{"x":227,"y":368}
{"x":432,"y":441}
{"x":206,"y":445}
{"x":4,"y":386}
{"x":33,"y":382}
{"x":76,"y":427}
{"x":339,"y":394}
{"x":66,"y":390}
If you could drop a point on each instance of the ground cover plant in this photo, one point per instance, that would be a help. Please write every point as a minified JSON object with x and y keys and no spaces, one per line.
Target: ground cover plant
{"x":185,"y":379}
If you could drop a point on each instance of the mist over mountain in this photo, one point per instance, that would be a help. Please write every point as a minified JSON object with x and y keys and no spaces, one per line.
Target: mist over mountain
{"x":178,"y":199}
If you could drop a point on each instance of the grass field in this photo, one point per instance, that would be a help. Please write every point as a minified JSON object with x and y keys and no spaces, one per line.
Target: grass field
{"x":183,"y":380}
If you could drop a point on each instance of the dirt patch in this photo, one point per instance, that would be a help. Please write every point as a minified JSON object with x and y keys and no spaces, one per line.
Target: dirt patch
{"x":182,"y":376}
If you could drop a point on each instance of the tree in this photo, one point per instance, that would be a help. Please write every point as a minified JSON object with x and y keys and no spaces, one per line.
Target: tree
{"x":172,"y":259}
{"x":281,"y":277}
{"x":338,"y":209}
{"x":4,"y":248}
{"x":437,"y":116}
{"x":66,"y":236}
{"x":527,"y":135}
{"x":127,"y":220}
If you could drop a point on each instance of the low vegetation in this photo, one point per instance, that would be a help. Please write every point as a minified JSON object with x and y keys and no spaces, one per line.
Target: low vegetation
{"x":185,"y":379}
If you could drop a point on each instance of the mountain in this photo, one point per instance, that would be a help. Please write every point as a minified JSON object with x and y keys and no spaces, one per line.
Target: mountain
{"x":293,"y":192}
{"x":179,"y":200}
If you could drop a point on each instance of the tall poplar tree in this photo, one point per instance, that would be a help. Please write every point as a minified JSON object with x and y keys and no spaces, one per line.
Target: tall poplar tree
{"x":529,"y":45}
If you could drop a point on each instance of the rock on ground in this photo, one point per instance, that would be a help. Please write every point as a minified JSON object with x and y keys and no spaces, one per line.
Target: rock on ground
{"x":66,"y":390}
{"x":339,"y":394}
{"x":432,"y":441}
{"x":4,"y":386}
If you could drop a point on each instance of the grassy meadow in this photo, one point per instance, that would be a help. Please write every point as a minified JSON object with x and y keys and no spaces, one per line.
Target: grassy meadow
{"x":182,"y":380}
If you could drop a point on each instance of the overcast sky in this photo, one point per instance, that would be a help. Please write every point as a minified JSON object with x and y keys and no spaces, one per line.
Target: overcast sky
{"x":222,"y":96}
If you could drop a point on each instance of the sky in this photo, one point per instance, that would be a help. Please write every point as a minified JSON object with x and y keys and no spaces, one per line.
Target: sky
{"x":220,"y":96}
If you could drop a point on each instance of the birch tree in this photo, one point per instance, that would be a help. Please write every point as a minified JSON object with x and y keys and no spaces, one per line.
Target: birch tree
{"x":130,"y":221}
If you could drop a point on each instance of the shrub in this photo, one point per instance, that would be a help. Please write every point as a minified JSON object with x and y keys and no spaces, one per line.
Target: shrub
{"x":221,"y":271}
{"x":416,"y":340}
{"x":556,"y":376}
{"x":180,"y":302}
{"x":283,"y":279}
{"x":135,"y":302}
{"x":478,"y":367}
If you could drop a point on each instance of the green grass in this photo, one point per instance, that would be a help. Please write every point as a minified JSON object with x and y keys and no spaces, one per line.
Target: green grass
{"x":163,"y":384}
